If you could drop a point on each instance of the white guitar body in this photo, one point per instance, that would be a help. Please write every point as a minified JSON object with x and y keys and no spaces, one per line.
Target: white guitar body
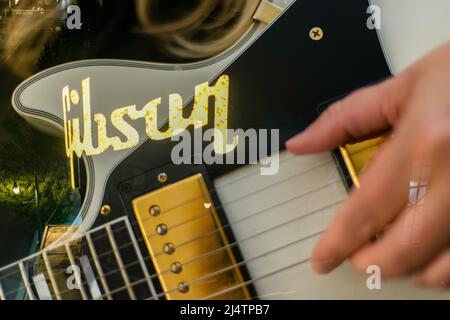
{"x":268,"y":214}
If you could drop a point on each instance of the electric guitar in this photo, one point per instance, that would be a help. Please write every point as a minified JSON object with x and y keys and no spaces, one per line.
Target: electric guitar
{"x":152,"y":229}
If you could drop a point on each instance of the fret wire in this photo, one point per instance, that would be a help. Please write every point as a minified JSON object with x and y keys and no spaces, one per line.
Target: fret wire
{"x":98,"y":266}
{"x":77,"y":276}
{"x":51,"y":275}
{"x":26,"y":282}
{"x":141,"y":259}
{"x":123,"y":272}
{"x":267,"y":275}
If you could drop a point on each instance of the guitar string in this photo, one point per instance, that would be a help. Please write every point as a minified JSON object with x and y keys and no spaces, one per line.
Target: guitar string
{"x":240,"y":220}
{"x":288,"y":159}
{"x":253,"y":215}
{"x":236,"y":243}
{"x":239,"y":176}
{"x":236,"y":222}
{"x":229,"y":245}
{"x":249,"y":282}
{"x":299,"y":174}
{"x":242,"y":263}
{"x":140,"y":239}
{"x":172,"y":209}
{"x":228,"y":268}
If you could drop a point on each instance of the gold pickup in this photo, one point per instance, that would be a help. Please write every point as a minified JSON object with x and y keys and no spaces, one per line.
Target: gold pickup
{"x":357,"y":156}
{"x":187,"y":243}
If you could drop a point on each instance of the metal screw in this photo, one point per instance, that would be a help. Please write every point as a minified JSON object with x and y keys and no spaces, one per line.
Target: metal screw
{"x":155,"y":211}
{"x":169,"y":248}
{"x":162,"y":177}
{"x":316,"y":34}
{"x":105,"y":210}
{"x":176,"y":267}
{"x":161,"y":229}
{"x":183,"y":287}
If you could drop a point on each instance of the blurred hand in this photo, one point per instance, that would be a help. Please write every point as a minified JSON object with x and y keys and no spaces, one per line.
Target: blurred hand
{"x":415,"y":107}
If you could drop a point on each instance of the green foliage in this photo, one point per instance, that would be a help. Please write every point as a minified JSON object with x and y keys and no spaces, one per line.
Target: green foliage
{"x":27,"y":154}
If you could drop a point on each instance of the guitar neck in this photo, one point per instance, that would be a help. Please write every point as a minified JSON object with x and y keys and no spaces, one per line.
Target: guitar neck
{"x":105,"y":263}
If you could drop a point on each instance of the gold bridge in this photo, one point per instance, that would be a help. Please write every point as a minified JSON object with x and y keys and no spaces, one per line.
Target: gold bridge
{"x":187,"y":243}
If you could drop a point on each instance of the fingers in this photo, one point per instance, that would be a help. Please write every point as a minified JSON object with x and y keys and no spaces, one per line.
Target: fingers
{"x":437,"y":273}
{"x":383,"y":193}
{"x":419,"y":235}
{"x":369,"y":110}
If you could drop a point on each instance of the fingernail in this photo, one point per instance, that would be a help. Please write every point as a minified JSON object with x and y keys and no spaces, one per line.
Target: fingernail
{"x":323,"y":266}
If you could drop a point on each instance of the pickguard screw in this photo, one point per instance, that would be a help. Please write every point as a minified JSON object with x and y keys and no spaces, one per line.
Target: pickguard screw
{"x":105,"y":210}
{"x":155,"y":211}
{"x":176,"y":267}
{"x":183,"y":287}
{"x":169,"y":248}
{"x":316,"y":34}
{"x":161,"y":229}
{"x":162,"y":177}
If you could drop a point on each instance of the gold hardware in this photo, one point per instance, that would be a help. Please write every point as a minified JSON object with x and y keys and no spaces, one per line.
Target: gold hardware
{"x":162,"y":229}
{"x":162,"y":177}
{"x":183,"y":287}
{"x":202,"y":247}
{"x":357,"y":156}
{"x":105,"y":210}
{"x":155,"y":210}
{"x":176,"y":267}
{"x":169,"y":248}
{"x":267,"y":12}
{"x":316,"y":34}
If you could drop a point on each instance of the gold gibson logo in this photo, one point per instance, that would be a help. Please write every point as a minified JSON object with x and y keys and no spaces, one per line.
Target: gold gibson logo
{"x":77,"y":143}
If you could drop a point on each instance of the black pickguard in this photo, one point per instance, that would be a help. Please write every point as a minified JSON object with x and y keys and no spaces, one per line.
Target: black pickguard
{"x":279,"y":82}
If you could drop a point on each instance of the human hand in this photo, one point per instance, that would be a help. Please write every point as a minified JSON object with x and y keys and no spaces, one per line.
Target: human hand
{"x":416,"y":106}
